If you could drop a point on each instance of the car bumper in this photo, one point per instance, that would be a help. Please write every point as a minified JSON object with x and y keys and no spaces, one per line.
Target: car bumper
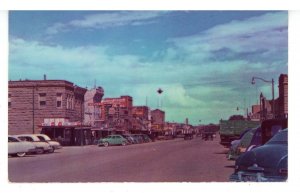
{"x":255,"y":177}
{"x":57,"y":147}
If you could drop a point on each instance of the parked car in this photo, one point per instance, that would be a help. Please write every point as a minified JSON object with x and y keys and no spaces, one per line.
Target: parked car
{"x":138,"y":138}
{"x":42,"y":146}
{"x":256,"y":140}
{"x":234,"y":143}
{"x":130,"y":138}
{"x":188,"y":136}
{"x":267,"y":130}
{"x":267,"y":163}
{"x":113,"y":140}
{"x":54,"y":144}
{"x":146,"y":138}
{"x":19,"y":148}
{"x":239,"y":148}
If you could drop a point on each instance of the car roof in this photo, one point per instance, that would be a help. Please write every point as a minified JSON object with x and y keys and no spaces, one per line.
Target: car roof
{"x":28,"y":135}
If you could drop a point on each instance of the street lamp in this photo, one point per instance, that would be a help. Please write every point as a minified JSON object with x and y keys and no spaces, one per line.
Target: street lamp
{"x":267,"y":81}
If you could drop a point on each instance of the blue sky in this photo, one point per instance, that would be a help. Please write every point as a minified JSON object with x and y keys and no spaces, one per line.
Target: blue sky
{"x":203,"y":60}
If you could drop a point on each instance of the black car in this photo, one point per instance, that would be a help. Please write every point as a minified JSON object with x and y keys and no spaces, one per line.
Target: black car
{"x":267,"y":163}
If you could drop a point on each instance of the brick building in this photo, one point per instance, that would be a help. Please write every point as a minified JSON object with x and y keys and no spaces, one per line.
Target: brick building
{"x":32,"y":103}
{"x":157,"y":119}
{"x":116,"y":113}
{"x":92,"y":103}
{"x":141,"y":117}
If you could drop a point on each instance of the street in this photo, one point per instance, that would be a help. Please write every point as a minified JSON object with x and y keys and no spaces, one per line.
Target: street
{"x":175,"y":160}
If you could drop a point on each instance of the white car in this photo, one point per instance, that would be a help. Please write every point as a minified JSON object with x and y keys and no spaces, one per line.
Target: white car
{"x":54,"y":144}
{"x":42,"y":146}
{"x":19,"y":148}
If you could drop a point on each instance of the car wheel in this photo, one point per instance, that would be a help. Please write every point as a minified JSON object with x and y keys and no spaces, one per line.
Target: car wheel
{"x":40,"y":151}
{"x":106,"y":144}
{"x":21,"y":154}
{"x":51,"y":150}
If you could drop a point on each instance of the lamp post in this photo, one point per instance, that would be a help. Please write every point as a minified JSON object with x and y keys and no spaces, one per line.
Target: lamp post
{"x":267,"y":81}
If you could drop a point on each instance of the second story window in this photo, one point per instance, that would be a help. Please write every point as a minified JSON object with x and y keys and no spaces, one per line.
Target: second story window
{"x":58,"y":100}
{"x":42,"y":99}
{"x":70,"y":101}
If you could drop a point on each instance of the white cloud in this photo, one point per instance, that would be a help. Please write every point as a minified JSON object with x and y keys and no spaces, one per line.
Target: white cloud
{"x":268,"y":31}
{"x":106,"y":20}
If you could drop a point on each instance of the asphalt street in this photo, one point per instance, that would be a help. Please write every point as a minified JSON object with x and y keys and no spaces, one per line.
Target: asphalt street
{"x":175,"y":160}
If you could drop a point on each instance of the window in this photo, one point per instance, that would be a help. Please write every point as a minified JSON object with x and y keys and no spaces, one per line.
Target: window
{"x":70,"y":102}
{"x":42,"y":99}
{"x":58,"y":100}
{"x":41,"y":138}
{"x":10,"y":139}
{"x":9,"y":100}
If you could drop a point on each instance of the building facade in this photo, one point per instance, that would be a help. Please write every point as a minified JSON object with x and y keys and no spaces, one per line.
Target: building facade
{"x":116,"y":113}
{"x":140,"y":115}
{"x":92,"y":104}
{"x":32,"y":103}
{"x":157,"y":119}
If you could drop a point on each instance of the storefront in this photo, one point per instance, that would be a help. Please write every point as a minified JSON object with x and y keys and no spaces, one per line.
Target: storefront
{"x":69,"y":135}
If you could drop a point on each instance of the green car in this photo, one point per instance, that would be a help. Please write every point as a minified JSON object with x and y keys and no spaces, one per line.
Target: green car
{"x":113,"y":140}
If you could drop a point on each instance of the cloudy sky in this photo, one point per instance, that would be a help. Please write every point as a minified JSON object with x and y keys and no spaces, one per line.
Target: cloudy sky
{"x":202,"y":60}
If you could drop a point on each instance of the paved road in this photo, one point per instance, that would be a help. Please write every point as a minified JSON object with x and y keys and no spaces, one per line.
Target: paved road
{"x":163,"y":161}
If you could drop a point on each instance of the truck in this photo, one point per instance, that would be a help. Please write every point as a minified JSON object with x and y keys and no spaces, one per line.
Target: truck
{"x":231,"y":130}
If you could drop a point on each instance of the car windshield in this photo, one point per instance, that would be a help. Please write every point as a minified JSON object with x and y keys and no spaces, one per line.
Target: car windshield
{"x":41,"y":138}
{"x":280,"y":138}
{"x":246,"y":139}
{"x":256,"y":140}
{"x":46,"y":137}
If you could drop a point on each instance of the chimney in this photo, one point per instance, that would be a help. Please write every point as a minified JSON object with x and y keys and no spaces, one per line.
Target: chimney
{"x":45,"y":77}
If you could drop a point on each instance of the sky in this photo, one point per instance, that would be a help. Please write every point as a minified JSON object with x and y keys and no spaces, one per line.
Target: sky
{"x":202,"y":60}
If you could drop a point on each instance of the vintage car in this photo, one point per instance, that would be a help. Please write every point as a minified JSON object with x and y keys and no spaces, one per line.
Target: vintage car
{"x":266,"y":131}
{"x":42,"y":146}
{"x":146,"y":138}
{"x":241,"y":145}
{"x":113,"y":140}
{"x":19,"y":148}
{"x":267,"y":163}
{"x":188,"y":136}
{"x":54,"y":144}
{"x":130,"y":138}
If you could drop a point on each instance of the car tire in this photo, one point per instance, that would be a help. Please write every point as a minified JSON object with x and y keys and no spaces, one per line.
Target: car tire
{"x":51,"y":150}
{"x":105,"y":144}
{"x":40,"y":151}
{"x":21,"y":154}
